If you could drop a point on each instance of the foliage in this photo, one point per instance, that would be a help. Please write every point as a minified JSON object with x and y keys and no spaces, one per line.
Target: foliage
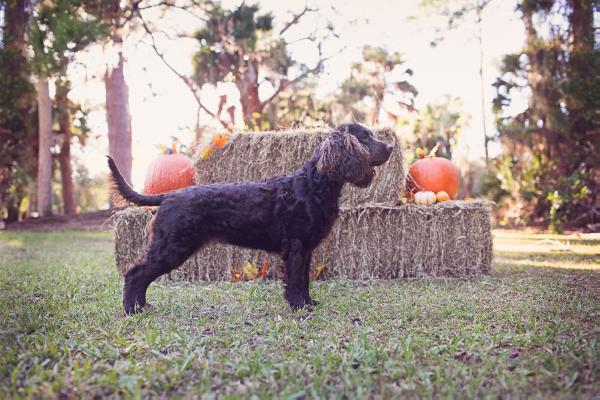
{"x":240,"y":46}
{"x":553,"y":146}
{"x":230,"y":41}
{"x":17,"y":104}
{"x":59,"y":30}
{"x":77,"y":114}
{"x":16,"y":95}
{"x":440,"y":123}
{"x":527,"y":330}
{"x":455,"y":12}
{"x":378,"y":79}
{"x":299,"y":107}
{"x":91,"y":192}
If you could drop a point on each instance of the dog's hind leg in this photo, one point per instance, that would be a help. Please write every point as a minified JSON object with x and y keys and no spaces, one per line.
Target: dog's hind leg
{"x":297,"y":268}
{"x":162,"y":256}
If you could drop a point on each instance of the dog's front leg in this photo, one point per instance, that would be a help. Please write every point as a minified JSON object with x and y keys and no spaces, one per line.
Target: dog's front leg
{"x":296,"y":280}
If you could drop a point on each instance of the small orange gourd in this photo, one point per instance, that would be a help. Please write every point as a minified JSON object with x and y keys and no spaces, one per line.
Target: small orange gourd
{"x":442,"y":196}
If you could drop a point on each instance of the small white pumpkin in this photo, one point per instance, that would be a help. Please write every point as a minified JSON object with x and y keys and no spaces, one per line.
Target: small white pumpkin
{"x":425,"y":198}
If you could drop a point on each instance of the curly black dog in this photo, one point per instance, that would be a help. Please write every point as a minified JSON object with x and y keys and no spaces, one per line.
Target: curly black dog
{"x":288,"y":215}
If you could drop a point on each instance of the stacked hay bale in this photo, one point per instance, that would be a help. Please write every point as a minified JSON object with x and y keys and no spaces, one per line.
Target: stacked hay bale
{"x":367,"y":242}
{"x":373,"y":237}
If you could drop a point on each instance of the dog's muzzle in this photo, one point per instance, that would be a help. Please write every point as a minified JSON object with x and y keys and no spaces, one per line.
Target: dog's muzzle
{"x":381,"y":155}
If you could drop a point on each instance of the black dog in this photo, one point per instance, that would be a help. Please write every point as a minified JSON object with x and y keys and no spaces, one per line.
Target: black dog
{"x":289,"y":215}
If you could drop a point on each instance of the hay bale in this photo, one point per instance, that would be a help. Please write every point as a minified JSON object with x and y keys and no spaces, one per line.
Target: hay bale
{"x":131,"y":226}
{"x":368,"y":242}
{"x":262,"y":155}
{"x":410,"y":241}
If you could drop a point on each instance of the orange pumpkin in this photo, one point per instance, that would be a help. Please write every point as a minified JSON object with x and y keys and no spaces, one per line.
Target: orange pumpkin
{"x":169,"y":172}
{"x":434,"y":174}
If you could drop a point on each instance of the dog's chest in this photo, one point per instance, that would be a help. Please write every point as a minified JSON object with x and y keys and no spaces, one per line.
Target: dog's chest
{"x":310,"y":220}
{"x":307,"y":209}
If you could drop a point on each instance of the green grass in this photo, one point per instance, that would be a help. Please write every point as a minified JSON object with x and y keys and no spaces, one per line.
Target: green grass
{"x":531,"y":329}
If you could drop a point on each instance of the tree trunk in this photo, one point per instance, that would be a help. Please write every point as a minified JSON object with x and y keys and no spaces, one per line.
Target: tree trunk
{"x":542,"y":77}
{"x":45,"y":142}
{"x":117,"y":115}
{"x":379,"y":90}
{"x":581,"y":71}
{"x":486,"y":138}
{"x":15,"y":25}
{"x":583,"y":127}
{"x":32,"y":196}
{"x":118,"y":118}
{"x":197,"y":129}
{"x":64,"y":158}
{"x":248,"y":87}
{"x":12,"y":209}
{"x":13,"y":43}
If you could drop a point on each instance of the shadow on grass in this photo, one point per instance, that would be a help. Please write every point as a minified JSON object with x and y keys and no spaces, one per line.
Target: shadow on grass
{"x":567,"y":260}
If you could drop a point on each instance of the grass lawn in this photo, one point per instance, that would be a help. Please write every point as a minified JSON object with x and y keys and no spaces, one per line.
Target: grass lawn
{"x":531,"y":329}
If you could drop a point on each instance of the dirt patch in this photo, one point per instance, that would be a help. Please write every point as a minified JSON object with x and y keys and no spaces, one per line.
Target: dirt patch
{"x":90,"y":221}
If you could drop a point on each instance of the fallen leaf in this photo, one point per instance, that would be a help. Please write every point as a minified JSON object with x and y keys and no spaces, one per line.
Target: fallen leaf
{"x":318,"y":271}
{"x":466,"y":357}
{"x":236,"y":274}
{"x":220,"y":141}
{"x":264,"y":269}
{"x":250,"y":271}
{"x":207,"y":152}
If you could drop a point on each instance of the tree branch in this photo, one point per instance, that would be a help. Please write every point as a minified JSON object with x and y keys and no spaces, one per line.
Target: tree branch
{"x":296,"y":18}
{"x":285,"y":83}
{"x":192,"y":86}
{"x":186,"y":8}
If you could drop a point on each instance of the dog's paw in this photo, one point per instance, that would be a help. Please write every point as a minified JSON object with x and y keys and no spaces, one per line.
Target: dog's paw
{"x":131,"y":309}
{"x":312,"y":302}
{"x":296,"y":306}
{"x":305,"y":306}
{"x":296,"y":303}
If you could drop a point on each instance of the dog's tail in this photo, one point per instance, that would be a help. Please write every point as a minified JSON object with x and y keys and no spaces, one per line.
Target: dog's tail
{"x":122,"y":187}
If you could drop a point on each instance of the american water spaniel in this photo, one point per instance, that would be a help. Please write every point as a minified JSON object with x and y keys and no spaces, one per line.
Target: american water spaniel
{"x":288,"y":215}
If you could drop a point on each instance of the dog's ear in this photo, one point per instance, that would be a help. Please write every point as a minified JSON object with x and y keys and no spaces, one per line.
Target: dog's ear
{"x":342,"y":157}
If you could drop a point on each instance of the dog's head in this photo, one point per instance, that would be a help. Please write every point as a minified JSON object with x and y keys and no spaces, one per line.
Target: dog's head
{"x":350,"y":153}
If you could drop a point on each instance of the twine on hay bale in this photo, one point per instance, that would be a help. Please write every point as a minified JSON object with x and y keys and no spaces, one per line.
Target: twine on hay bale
{"x":373,"y":241}
{"x":257,"y":156}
